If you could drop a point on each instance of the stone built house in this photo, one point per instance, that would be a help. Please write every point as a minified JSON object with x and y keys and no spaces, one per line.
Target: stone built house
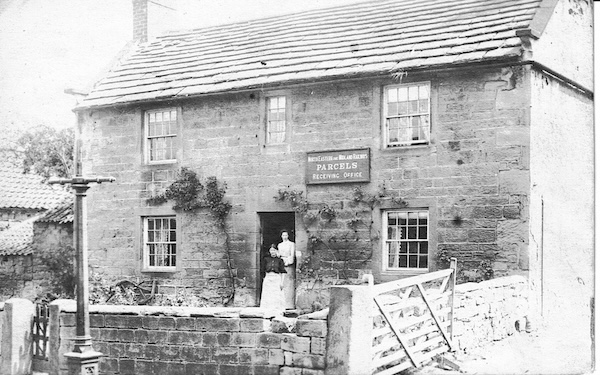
{"x":28,"y":220}
{"x":415,"y":131}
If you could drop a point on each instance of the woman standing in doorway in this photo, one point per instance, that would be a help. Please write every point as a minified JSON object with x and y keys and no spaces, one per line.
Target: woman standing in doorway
{"x":287,"y":252}
{"x":271,"y":297}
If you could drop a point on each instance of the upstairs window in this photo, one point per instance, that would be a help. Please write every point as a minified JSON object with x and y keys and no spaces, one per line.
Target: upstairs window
{"x":160,"y":243}
{"x":406,"y":244}
{"x":161,"y":135}
{"x":276,"y":120}
{"x":407,"y":114}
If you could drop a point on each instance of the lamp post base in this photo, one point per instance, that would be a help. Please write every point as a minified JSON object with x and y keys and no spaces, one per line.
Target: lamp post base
{"x":83,"y":363}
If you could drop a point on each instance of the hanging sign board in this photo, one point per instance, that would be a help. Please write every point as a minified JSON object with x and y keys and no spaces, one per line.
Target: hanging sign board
{"x":340,"y":166}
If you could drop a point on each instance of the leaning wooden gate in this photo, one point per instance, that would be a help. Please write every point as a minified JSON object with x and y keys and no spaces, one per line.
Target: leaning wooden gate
{"x":40,"y":331}
{"x":412,"y":320}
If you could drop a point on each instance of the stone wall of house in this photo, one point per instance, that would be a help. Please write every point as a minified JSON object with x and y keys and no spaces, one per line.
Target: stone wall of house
{"x":490,"y":311}
{"x":473,"y":179}
{"x":162,"y":340}
{"x":27,"y":276}
{"x":11,"y":216}
{"x":16,"y":277}
{"x":49,"y":237}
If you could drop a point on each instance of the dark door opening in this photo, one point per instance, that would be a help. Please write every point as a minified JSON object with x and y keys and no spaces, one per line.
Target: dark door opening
{"x":271,"y":224}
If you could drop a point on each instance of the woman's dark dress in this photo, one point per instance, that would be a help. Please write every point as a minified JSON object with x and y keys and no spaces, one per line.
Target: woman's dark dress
{"x":272,"y":296}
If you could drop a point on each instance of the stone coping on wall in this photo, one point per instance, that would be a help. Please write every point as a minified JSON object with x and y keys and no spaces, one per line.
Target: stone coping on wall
{"x":493,"y":283}
{"x":70,"y":306}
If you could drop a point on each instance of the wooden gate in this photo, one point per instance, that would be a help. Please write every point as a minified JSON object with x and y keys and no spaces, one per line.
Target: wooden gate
{"x":40,"y":331}
{"x":412,"y":320}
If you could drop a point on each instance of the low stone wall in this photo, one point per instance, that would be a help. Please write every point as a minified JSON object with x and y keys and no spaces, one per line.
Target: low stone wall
{"x":178,"y":340}
{"x":183,"y":340}
{"x":489,"y":310}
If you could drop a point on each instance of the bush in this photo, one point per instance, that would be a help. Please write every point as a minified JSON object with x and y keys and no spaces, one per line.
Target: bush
{"x":60,"y":263}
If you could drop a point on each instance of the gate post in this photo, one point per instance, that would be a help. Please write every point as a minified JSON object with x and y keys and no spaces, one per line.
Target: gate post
{"x":17,"y":355}
{"x":349,"y":329}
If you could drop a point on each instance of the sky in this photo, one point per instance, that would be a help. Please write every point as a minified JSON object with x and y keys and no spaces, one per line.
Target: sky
{"x":47,"y":46}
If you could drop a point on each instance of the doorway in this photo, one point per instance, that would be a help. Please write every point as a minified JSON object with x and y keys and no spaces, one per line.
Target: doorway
{"x":271,"y":224}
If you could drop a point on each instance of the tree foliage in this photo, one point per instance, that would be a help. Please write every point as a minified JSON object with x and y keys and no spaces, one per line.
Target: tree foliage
{"x":59,"y":262}
{"x":46,"y":151}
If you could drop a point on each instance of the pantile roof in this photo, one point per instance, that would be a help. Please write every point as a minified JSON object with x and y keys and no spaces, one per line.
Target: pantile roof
{"x":27,"y":191}
{"x":363,"y":39}
{"x":61,"y":214}
{"x":17,"y":239}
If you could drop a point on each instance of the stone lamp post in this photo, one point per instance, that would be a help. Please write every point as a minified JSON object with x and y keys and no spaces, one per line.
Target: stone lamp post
{"x":83,"y":360}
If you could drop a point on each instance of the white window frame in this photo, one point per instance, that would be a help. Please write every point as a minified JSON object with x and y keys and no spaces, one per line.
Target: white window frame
{"x":403,"y":93}
{"x":280,"y":112}
{"x":397,"y":238}
{"x":169,"y":136}
{"x":146,"y":243}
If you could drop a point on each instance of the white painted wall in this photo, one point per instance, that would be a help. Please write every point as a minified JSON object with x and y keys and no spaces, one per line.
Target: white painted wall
{"x":561,"y":237}
{"x":566,"y":44}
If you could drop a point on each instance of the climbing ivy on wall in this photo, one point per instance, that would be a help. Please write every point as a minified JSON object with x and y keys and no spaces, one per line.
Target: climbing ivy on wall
{"x":326,"y":231}
{"x":189,"y":194}
{"x":59,"y":263}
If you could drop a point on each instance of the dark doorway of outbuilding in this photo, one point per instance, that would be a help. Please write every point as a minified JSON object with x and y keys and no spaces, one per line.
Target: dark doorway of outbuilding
{"x":271,"y":224}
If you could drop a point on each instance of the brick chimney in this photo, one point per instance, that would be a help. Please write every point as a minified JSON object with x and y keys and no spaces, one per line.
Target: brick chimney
{"x":140,"y":20}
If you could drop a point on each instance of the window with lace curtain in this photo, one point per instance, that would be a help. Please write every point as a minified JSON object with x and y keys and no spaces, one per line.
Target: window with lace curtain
{"x":160,"y":243}
{"x":406,"y":243}
{"x":276,"y":120}
{"x":406,"y":111}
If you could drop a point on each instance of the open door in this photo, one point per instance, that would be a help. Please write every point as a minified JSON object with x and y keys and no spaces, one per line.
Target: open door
{"x":271,"y":224}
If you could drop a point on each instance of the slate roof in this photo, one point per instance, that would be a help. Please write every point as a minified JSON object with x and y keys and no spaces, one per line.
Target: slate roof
{"x":363,"y":39}
{"x":27,"y":191}
{"x":17,"y":239}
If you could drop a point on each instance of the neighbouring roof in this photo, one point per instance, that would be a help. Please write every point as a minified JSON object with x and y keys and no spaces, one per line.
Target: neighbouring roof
{"x":27,"y":191}
{"x":369,"y":38}
{"x":61,"y":214}
{"x":17,"y":239}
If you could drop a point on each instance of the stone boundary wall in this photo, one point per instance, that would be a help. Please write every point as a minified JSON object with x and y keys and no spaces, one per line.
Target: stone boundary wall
{"x":179,"y":340}
{"x":489,"y":310}
{"x":182,"y":340}
{"x":483,"y":312}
